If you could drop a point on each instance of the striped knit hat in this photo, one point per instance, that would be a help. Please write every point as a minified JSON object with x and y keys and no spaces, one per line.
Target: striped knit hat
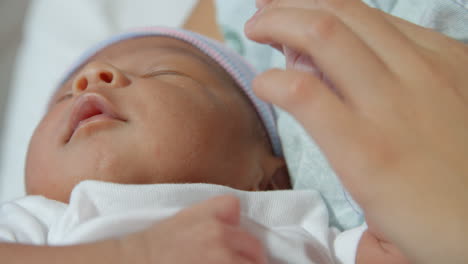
{"x":242,"y":72}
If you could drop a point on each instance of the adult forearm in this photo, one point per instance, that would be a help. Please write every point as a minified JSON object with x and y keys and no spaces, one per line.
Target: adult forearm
{"x":99,"y":252}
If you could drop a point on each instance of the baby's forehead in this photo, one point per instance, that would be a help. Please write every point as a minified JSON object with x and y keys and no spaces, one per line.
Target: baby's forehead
{"x":153,"y":47}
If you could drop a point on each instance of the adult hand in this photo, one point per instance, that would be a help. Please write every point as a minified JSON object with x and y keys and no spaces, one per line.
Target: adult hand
{"x":208,"y":232}
{"x":395,"y":125}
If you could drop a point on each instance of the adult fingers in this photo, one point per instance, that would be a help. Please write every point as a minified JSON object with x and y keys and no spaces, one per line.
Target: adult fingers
{"x":430,"y":42}
{"x":344,"y":58}
{"x":369,"y":24}
{"x":415,"y":33}
{"x":323,"y":114}
{"x":246,"y":245}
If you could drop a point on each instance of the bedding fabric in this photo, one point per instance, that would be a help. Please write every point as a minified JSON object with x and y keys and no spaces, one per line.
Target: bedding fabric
{"x":292,"y":225}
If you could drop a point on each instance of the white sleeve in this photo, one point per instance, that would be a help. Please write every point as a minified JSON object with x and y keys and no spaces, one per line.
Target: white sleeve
{"x":27,"y":220}
{"x":346,"y":244}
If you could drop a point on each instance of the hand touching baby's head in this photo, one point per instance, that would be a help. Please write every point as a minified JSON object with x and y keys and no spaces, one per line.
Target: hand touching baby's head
{"x":151,"y":109}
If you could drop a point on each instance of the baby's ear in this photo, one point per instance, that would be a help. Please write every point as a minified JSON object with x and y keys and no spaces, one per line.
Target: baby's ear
{"x":280,"y":179}
{"x":275,"y":174}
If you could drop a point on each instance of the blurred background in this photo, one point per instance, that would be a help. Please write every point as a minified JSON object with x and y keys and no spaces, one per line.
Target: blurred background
{"x":12,"y":15}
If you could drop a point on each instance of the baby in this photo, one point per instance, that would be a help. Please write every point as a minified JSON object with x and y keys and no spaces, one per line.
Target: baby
{"x":139,"y":117}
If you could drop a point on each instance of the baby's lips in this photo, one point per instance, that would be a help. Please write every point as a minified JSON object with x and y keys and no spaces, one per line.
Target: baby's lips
{"x":87,"y":106}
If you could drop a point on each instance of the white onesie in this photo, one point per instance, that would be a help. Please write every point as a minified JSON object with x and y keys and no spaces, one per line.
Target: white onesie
{"x":292,"y":224}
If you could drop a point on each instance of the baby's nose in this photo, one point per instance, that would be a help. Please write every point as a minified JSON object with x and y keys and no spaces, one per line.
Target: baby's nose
{"x":99,"y":74}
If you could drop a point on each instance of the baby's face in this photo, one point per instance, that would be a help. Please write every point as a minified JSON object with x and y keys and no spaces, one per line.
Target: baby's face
{"x":147,"y":110}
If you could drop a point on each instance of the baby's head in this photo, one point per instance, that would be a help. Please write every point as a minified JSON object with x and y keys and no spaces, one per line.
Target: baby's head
{"x":158,"y":106}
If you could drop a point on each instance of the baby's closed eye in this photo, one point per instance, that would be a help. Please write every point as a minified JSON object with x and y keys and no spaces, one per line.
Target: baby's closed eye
{"x":171,"y":76}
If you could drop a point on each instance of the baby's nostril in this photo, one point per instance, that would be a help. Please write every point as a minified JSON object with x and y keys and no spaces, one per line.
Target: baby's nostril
{"x":106,"y":77}
{"x":82,"y":84}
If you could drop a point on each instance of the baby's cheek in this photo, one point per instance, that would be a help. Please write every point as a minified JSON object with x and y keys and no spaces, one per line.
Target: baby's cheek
{"x":38,"y":148}
{"x":42,"y":155}
{"x":38,"y":165}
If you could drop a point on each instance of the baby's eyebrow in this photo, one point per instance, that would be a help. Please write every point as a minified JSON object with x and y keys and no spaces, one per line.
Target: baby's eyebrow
{"x":199,"y":56}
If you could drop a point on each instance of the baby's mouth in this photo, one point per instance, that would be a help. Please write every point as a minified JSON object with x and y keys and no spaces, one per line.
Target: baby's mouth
{"x":90,"y":108}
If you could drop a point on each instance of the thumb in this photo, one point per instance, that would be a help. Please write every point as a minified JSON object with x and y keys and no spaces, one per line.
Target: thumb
{"x":225,"y":208}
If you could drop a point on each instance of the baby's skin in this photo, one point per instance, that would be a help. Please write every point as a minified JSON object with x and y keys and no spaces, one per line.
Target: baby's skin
{"x":149,"y":110}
